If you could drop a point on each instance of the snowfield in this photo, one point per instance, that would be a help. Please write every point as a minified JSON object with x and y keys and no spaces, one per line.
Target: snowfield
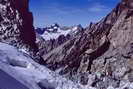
{"x":31,"y":74}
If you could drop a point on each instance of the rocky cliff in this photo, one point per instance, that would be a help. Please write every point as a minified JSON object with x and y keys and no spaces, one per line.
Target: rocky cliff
{"x":16,"y":25}
{"x":102,"y":55}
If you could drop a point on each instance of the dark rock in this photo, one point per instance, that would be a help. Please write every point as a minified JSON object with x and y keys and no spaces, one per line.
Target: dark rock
{"x":18,"y":29}
{"x":84,"y":79}
{"x":44,"y":84}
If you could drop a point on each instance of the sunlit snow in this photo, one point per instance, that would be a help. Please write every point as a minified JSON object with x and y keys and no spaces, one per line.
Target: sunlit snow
{"x":28,"y":72}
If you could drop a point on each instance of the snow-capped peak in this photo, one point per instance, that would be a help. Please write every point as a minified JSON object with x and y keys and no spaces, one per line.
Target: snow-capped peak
{"x":54,"y":31}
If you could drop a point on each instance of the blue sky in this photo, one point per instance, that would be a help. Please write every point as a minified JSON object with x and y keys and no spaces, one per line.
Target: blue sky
{"x":70,"y":12}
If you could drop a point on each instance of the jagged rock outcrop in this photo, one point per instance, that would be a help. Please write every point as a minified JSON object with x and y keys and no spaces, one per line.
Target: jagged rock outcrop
{"x":45,"y":46}
{"x":16,"y":25}
{"x":103,"y":50}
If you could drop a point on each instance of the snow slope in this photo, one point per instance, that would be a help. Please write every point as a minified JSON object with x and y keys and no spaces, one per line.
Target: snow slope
{"x":34,"y":76}
{"x":8,"y":82}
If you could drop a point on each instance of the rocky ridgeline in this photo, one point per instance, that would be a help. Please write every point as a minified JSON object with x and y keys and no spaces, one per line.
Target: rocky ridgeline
{"x":16,"y":25}
{"x":102,"y":55}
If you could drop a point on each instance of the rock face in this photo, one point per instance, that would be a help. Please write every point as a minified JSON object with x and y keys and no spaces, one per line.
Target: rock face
{"x":47,"y":46}
{"x":103,"y":50}
{"x":16,"y":25}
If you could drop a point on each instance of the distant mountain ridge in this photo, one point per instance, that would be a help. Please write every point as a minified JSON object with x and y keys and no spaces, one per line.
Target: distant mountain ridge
{"x":55,"y":35}
{"x":55,"y":30}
